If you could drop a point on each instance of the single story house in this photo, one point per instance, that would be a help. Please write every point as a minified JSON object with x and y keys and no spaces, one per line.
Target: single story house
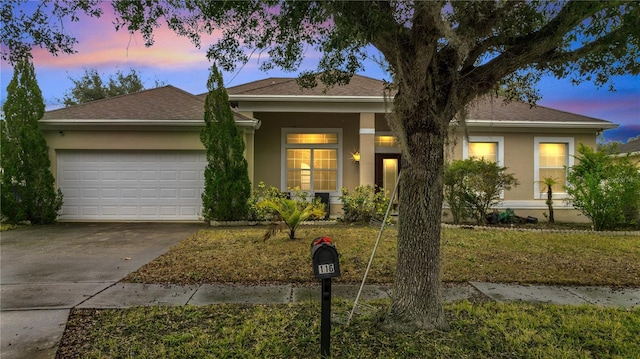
{"x":633,"y":149}
{"x":138,"y":157}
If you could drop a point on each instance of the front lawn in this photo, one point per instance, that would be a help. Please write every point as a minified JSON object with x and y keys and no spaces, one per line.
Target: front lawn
{"x":488,"y":330}
{"x":240,"y":256}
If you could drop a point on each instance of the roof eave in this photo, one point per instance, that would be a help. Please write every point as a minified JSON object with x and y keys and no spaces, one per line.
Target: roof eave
{"x":305,"y":98}
{"x":543,"y":124}
{"x":54,"y":123}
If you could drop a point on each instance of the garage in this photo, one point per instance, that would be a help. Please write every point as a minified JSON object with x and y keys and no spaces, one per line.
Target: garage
{"x":131,"y":185}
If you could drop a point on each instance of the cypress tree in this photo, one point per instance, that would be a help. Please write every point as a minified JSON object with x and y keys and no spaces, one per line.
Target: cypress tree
{"x":227,"y":186}
{"x":28,"y":192}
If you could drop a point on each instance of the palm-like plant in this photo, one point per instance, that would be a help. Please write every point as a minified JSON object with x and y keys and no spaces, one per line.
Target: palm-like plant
{"x":550,"y":182}
{"x":291,"y":213}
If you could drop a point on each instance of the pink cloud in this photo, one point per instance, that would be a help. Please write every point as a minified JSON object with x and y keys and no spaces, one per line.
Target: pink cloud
{"x":100,"y":45}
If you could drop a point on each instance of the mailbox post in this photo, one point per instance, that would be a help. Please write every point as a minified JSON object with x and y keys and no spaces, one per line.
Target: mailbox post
{"x":324,"y":259}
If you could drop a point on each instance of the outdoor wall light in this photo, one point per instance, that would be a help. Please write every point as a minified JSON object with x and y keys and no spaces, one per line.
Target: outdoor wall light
{"x":356,"y":156}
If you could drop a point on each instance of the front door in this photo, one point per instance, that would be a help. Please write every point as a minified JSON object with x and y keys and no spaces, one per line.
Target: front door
{"x":387,"y":170}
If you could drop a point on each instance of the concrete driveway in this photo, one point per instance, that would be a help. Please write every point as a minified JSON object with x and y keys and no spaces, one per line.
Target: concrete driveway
{"x":47,"y":270}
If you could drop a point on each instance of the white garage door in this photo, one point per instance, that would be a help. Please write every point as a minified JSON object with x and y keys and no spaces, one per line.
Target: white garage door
{"x":131,"y":185}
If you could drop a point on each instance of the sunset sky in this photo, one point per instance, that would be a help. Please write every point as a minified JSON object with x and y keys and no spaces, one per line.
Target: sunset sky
{"x":175,"y":61}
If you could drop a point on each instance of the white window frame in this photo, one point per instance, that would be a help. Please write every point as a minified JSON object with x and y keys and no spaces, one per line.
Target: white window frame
{"x":284,"y":147}
{"x":495,"y":139}
{"x":569,"y":141}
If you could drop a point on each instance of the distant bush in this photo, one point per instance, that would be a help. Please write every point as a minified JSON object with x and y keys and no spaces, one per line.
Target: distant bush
{"x":363,"y":204}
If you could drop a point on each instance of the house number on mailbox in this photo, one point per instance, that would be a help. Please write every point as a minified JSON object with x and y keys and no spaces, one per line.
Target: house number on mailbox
{"x":326,"y":268}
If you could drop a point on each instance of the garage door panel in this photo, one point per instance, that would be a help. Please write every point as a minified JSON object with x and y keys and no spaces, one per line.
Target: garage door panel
{"x":90,"y":193}
{"x":90,"y":175}
{"x":129,"y":193}
{"x":131,"y":185}
{"x":110,"y":193}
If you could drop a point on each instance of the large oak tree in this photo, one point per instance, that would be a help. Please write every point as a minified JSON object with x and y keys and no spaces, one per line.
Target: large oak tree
{"x":441,"y":55}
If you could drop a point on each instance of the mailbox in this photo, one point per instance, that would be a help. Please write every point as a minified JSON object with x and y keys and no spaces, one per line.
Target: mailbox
{"x":324,"y":258}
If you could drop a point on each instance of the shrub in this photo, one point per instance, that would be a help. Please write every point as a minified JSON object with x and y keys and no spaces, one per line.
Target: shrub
{"x":260,"y":194}
{"x":604,"y":188}
{"x":28,"y":188}
{"x":472,"y":186}
{"x":363,"y":204}
{"x":227,"y":187}
{"x":291,"y":212}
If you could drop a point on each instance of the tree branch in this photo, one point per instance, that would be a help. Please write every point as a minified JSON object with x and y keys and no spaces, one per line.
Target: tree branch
{"x":529,"y":49}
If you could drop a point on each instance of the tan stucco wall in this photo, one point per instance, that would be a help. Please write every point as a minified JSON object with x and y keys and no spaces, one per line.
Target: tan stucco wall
{"x":518,"y":155}
{"x":268,"y":142}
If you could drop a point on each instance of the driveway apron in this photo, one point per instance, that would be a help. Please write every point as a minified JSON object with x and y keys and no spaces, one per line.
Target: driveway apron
{"x":47,"y":270}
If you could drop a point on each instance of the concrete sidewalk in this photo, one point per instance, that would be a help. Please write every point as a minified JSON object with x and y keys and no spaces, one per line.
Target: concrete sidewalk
{"x":124,"y":295}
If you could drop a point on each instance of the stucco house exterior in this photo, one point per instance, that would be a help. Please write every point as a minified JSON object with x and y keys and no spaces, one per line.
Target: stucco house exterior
{"x":632,"y":148}
{"x":138,"y":157}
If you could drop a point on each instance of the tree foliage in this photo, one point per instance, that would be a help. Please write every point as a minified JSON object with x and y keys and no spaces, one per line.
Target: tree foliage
{"x":28,"y":192}
{"x":27,"y":24}
{"x":91,"y":86}
{"x":473,"y":186}
{"x":604,"y":188}
{"x":441,"y":54}
{"x":227,"y":187}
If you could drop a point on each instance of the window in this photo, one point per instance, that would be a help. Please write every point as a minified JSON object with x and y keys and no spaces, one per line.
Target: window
{"x":385,"y":141}
{"x":552,"y":156}
{"x":311,"y":160}
{"x":490,"y":148}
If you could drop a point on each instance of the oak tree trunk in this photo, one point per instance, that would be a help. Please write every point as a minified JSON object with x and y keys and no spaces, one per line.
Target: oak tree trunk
{"x":416,"y":301}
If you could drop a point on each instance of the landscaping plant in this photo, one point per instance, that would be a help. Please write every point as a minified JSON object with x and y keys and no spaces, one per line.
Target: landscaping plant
{"x":473,"y":186}
{"x":28,"y":192}
{"x":363,"y":204}
{"x":549,"y":183}
{"x":260,"y":194}
{"x":604,"y":188}
{"x":227,"y":187}
{"x":291,"y":213}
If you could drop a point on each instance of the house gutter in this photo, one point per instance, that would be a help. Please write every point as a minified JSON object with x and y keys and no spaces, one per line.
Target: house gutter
{"x":54,"y":124}
{"x":543,"y":124}
{"x":305,"y":98}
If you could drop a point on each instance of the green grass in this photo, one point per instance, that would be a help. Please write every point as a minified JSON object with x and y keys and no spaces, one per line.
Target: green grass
{"x":489,"y":330}
{"x":7,"y":227}
{"x":240,"y":256}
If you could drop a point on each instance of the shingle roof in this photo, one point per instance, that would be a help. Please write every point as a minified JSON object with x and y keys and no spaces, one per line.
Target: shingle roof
{"x":167,"y":103}
{"x":162,"y":103}
{"x":631,"y":146}
{"x":358,"y":86}
{"x":495,"y":109}
{"x":486,"y":110}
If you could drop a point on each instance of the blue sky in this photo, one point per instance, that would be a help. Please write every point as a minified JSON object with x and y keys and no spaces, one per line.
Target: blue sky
{"x":175,"y":61}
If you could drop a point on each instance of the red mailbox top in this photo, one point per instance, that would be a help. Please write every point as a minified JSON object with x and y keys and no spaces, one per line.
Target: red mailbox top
{"x":321,"y":240}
